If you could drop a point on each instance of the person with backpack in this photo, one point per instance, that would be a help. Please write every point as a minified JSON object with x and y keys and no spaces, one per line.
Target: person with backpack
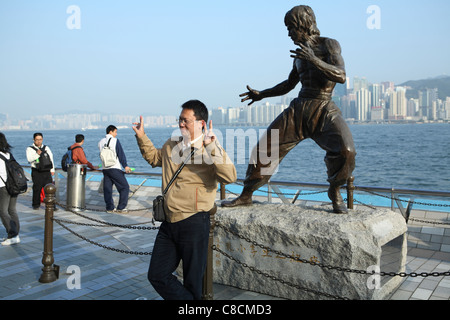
{"x":78,"y":155}
{"x":8,"y":212}
{"x":114,"y":167}
{"x":42,"y":167}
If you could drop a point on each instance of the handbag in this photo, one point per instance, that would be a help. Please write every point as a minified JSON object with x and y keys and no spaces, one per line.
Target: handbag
{"x":159,"y":214}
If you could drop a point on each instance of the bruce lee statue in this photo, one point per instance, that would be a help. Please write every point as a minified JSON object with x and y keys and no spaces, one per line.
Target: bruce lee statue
{"x":318,"y":65}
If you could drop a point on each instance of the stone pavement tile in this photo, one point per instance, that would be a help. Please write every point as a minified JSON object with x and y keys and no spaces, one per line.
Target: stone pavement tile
{"x":401,"y":295}
{"x":422,"y":294}
{"x":409,"y":285}
{"x":429,"y":284}
{"x":442,"y":292}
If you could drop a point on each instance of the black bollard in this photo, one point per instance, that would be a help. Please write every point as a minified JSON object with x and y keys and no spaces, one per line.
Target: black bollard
{"x":50,"y":272}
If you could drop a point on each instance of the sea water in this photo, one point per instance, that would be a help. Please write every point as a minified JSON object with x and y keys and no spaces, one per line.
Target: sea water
{"x":411,"y":156}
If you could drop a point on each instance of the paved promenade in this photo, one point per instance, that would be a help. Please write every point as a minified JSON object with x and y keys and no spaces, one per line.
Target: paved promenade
{"x":121,"y":273}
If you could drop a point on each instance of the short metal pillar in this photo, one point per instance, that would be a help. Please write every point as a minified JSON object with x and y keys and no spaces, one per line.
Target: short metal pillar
{"x":350,"y":189}
{"x":50,"y":272}
{"x":222,"y":191}
{"x":207,"y":290}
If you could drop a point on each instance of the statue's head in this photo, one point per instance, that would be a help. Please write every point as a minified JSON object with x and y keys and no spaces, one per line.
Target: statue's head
{"x":303,"y":19}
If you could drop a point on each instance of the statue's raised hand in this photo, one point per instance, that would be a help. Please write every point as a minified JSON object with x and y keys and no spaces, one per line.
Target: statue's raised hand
{"x":252,"y":94}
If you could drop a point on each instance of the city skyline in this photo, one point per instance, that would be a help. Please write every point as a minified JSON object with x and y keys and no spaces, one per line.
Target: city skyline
{"x":364,"y":102}
{"x":150,"y":57}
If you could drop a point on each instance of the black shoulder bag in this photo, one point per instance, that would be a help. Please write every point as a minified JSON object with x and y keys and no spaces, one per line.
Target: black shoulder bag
{"x":159,"y":213}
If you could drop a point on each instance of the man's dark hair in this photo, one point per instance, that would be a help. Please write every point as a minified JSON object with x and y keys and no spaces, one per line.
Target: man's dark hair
{"x":110,"y":128}
{"x":4,"y":145}
{"x":199,"y":108}
{"x":79,"y":138}
{"x":37,"y":134}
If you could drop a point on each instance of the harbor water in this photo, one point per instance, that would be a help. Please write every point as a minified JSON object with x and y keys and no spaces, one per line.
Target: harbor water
{"x":411,"y":156}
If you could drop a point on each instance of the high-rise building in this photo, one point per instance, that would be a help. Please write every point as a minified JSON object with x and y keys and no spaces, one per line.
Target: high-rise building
{"x":400,"y":111}
{"x":363,"y":97}
{"x":359,"y":83}
{"x":376,"y":91}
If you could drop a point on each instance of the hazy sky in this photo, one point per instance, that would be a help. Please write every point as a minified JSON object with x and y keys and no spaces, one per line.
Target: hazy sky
{"x":148,"y":57}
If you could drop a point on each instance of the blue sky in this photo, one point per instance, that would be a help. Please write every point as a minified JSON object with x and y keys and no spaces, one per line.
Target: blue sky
{"x":148,"y":57}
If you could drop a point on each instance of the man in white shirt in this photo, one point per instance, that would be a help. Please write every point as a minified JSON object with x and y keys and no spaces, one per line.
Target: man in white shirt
{"x":114,"y":175}
{"x":40,"y":177}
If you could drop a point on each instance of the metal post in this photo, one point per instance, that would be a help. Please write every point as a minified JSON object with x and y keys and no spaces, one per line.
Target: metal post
{"x":207,"y":290}
{"x":222,"y":191}
{"x":50,"y":272}
{"x":350,"y":189}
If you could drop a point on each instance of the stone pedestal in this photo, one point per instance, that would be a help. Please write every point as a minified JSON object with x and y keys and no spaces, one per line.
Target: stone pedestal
{"x":364,"y":239}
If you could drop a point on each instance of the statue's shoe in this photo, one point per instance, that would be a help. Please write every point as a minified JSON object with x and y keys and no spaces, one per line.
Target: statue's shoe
{"x":242,"y":200}
{"x":339,"y":206}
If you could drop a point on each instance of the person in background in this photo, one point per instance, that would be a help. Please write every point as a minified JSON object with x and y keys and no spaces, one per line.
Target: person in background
{"x":188,"y":202}
{"x":78,"y":155}
{"x":40,"y":178}
{"x":8,"y":212}
{"x":115,"y":175}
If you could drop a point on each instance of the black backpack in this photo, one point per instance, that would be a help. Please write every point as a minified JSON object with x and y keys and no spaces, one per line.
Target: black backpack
{"x":67,"y":158}
{"x":45,"y":163}
{"x":16,"y":181}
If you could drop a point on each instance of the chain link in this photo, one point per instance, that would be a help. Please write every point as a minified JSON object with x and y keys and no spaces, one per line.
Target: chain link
{"x":253,"y":269}
{"x":329,"y":267}
{"x":414,"y":202}
{"x":58,"y":221}
{"x":126,"y":226}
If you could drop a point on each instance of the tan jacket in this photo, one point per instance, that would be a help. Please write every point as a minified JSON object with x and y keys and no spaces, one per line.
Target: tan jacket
{"x":195,"y":188}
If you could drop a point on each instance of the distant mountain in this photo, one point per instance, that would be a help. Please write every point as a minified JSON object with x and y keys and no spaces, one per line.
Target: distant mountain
{"x":442,"y":83}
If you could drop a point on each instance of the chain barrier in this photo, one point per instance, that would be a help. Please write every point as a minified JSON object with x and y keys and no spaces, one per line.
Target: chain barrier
{"x":134,"y":226}
{"x":253,"y":269}
{"x":409,"y":201}
{"x":126,"y":226}
{"x":329,"y":267}
{"x":62,"y":223}
{"x":414,"y":202}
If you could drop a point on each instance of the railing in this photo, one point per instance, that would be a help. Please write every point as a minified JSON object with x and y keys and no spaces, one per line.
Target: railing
{"x":392,"y":193}
{"x":273,"y":186}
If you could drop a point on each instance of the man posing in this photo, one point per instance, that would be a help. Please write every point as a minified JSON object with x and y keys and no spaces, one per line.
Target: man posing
{"x":40,"y":175}
{"x":184,"y":236}
{"x":114,"y":175}
{"x":318,"y":65}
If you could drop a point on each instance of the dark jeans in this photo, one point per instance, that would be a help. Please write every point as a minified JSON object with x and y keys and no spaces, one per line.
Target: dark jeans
{"x":8,"y":213}
{"x":186,"y":240}
{"x":115,"y":177}
{"x":40,"y":180}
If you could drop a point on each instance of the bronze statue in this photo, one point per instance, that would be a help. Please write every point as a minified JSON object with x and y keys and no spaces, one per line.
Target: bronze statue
{"x":318,"y":65}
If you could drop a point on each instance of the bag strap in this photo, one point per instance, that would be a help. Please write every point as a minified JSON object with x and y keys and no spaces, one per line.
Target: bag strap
{"x":4,"y":159}
{"x":179,"y":170}
{"x":36,"y":149}
{"x":71,"y":151}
